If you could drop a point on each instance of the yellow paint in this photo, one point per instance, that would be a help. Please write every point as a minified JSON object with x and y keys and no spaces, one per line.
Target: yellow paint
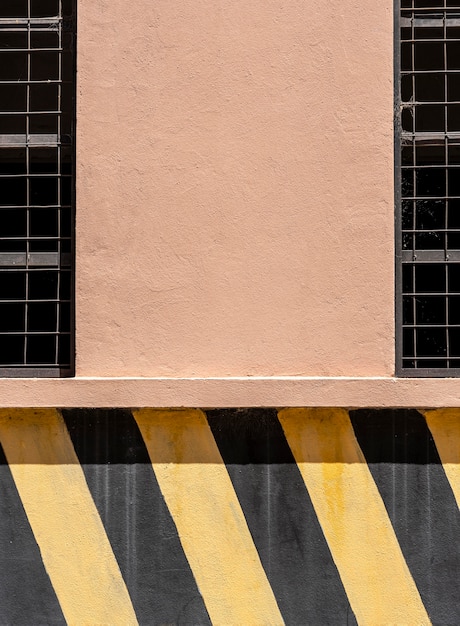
{"x":211,"y":525}
{"x":353,"y":517}
{"x":74,"y":546}
{"x":444,"y":425}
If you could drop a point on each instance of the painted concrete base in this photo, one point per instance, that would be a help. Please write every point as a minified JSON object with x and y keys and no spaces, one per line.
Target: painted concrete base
{"x":230,"y":517}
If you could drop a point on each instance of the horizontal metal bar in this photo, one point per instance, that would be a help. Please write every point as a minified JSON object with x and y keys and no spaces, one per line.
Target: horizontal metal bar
{"x":35,"y":301}
{"x":30,"y":113}
{"x":438,"y":294}
{"x":430,"y":198}
{"x":24,"y":82}
{"x":430,"y":256}
{"x":35,"y":333}
{"x":53,"y":238}
{"x":431,"y":9}
{"x":34,"y":28}
{"x":47,"y":175}
{"x":49,"y":141}
{"x":35,"y":259}
{"x":51,"y":81}
{"x":424,"y":357}
{"x":409,"y":231}
{"x":48,"y":21}
{"x":430,"y":40}
{"x":32,"y":269}
{"x":437,"y":166}
{"x":429,"y":372}
{"x":424,"y":72}
{"x":30,"y":50}
{"x":433,"y":326}
{"x":429,"y":137}
{"x":404,"y":105}
{"x":429,"y":22}
{"x":34,"y":206}
{"x":443,"y":359}
{"x":34,"y":372}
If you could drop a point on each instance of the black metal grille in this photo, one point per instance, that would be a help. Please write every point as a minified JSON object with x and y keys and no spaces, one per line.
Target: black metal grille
{"x":37,"y":45}
{"x":429,"y":188}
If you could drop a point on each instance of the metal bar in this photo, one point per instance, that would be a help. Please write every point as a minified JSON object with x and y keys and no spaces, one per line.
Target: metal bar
{"x":21,"y":113}
{"x":434,"y":22}
{"x":36,"y":333}
{"x":55,"y":175}
{"x":431,"y":293}
{"x":427,"y":138}
{"x":397,"y":184}
{"x":35,"y":259}
{"x":31,"y":21}
{"x":21,"y":81}
{"x":36,"y":371}
{"x":430,"y":256}
{"x":35,"y":300}
{"x":45,"y":141}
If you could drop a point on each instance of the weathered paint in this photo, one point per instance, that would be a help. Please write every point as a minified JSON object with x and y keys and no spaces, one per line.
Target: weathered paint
{"x":142,"y":533}
{"x":445,"y":428}
{"x":346,"y":499}
{"x":406,"y":467}
{"x":280,"y":516}
{"x":208,"y":516}
{"x":63,"y":518}
{"x":229,"y":517}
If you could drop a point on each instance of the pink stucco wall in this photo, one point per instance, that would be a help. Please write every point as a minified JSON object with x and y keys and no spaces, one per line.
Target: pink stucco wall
{"x":235,"y":188}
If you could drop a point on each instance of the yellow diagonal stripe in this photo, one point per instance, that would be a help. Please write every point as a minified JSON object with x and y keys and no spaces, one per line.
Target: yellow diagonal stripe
{"x":209,"y":520}
{"x":354,"y":520}
{"x":444,"y":425}
{"x":74,"y":546}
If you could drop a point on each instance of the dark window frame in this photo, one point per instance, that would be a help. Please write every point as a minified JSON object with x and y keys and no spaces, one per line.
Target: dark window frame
{"x":37,"y":170}
{"x":428,"y":123}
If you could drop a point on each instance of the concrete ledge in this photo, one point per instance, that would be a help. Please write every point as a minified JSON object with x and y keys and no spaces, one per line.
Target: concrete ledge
{"x":230,"y":392}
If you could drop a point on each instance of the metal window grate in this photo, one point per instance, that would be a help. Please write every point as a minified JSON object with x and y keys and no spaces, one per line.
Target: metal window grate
{"x":37,"y":45}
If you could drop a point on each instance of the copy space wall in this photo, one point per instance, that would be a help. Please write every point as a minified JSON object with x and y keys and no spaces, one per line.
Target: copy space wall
{"x":234,"y":188}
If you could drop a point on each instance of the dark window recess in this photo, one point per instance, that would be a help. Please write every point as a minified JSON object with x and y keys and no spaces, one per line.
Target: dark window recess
{"x":37,"y":95}
{"x":428,"y":188}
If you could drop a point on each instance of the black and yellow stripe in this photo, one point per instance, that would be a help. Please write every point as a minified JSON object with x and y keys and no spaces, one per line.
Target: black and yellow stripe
{"x":229,"y":517}
{"x":405,"y":464}
{"x":281,"y":517}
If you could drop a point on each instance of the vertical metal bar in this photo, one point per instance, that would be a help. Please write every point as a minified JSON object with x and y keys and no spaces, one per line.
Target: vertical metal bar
{"x":59,"y":183}
{"x":28,"y":203}
{"x":414,"y":182}
{"x":446,"y":179}
{"x":414,"y":185}
{"x":73,"y":191}
{"x":397,"y":183}
{"x":446,"y":288}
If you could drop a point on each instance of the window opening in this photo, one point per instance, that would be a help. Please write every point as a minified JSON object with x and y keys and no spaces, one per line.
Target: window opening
{"x":428,"y":188}
{"x":37,"y":46}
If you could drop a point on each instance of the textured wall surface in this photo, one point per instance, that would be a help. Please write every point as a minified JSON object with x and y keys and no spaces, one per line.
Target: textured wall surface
{"x":229,"y":517}
{"x":235,"y":188}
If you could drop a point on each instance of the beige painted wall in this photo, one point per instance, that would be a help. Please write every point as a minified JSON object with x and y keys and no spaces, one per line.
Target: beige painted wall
{"x":235,"y":188}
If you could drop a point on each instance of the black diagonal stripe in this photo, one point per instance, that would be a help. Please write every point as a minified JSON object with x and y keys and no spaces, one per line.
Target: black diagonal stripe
{"x":280,"y":516}
{"x":138,"y":524}
{"x":406,"y":467}
{"x":26,"y":593}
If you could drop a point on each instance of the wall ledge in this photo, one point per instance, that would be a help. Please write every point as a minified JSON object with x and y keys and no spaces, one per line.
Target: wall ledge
{"x":280,"y":391}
